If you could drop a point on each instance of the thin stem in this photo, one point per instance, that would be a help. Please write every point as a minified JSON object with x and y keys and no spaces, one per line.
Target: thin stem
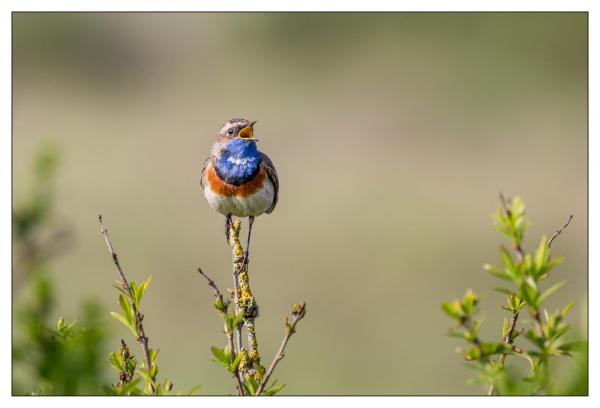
{"x":142,"y":338}
{"x":560,"y":230}
{"x":508,"y":339}
{"x":228,"y":333}
{"x":298,"y":313}
{"x":538,"y":322}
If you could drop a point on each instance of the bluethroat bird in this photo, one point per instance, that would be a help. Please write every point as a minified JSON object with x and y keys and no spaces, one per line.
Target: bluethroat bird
{"x":237,"y":178}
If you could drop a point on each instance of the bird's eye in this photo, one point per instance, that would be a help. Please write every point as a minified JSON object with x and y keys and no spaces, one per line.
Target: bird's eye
{"x":230,"y":131}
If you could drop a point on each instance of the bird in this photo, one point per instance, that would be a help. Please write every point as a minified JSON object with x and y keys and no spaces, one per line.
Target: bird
{"x":238,"y":179}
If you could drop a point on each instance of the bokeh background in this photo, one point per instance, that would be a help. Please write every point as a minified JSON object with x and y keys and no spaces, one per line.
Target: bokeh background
{"x":392,"y":134}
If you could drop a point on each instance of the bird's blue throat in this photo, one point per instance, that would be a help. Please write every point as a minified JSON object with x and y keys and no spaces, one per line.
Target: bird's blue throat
{"x":239,"y":162}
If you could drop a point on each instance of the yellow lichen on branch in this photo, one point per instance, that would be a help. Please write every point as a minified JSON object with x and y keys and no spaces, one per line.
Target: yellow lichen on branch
{"x":246,"y":304}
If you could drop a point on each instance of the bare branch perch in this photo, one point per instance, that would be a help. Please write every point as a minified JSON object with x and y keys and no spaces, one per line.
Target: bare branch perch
{"x":298,"y":313}
{"x":143,"y":339}
{"x":560,"y":230}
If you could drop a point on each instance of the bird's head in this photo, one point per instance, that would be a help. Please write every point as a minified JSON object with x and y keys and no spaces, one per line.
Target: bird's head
{"x":238,"y":128}
{"x":235,"y":130}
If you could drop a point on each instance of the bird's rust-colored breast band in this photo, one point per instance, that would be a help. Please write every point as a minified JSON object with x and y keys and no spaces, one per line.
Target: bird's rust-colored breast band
{"x":222,"y":188}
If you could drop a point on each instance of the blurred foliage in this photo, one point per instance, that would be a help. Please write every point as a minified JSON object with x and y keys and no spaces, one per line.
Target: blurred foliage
{"x":525,"y":271}
{"x":64,"y":358}
{"x":35,"y":239}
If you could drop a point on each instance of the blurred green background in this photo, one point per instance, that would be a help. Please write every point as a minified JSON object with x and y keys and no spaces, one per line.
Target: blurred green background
{"x":392,"y":135}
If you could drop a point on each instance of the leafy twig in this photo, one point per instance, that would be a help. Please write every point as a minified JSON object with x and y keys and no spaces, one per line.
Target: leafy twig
{"x":508,"y":339}
{"x":298,"y":313}
{"x":220,"y":300}
{"x":142,"y":338}
{"x":506,"y":204}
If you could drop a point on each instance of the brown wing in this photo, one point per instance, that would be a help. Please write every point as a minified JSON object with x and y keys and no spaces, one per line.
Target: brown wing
{"x":267,"y":164}
{"x":208,"y":161}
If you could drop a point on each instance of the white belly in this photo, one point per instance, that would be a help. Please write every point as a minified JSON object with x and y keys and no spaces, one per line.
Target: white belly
{"x":252,"y":205}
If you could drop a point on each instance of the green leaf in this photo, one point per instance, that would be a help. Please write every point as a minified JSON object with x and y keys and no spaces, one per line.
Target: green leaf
{"x":115,"y":361}
{"x":119,"y":286}
{"x":141,"y":290}
{"x":250,"y":384}
{"x":502,"y":274}
{"x":165,"y":387}
{"x":219,"y":304}
{"x":541,"y":257}
{"x":560,"y":331}
{"x":470,"y":301}
{"x":453,"y":309}
{"x":130,"y":388}
{"x":553,"y":263}
{"x":567,"y":309}
{"x":462,"y":334}
{"x":550,"y":291}
{"x":505,"y":327}
{"x":472,"y":354}
{"x":235,"y":364}
{"x":144,"y":373}
{"x":125,"y":323}
{"x":274,"y":389}
{"x":134,"y":288}
{"x":529,"y":292}
{"x":220,"y":355}
{"x":227,"y":352}
{"x":504,"y":290}
{"x":535,"y":339}
{"x":489,"y":349}
{"x":574,"y":346}
{"x":126,"y":307}
{"x":238,"y":319}
{"x":154,"y":371}
{"x":229,"y":322}
{"x":195,"y":390}
{"x":60,"y":325}
{"x":507,"y":259}
{"x":518,"y":303}
{"x":153,"y":354}
{"x":518,"y":206}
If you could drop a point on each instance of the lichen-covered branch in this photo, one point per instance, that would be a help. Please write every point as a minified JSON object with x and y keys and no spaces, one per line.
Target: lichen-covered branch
{"x":246,"y":304}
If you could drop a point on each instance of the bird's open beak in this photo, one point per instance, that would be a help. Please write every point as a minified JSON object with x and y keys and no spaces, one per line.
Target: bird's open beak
{"x":248,"y":132}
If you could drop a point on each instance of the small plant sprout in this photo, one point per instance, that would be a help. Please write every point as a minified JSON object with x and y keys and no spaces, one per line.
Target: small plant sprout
{"x":524,"y":274}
